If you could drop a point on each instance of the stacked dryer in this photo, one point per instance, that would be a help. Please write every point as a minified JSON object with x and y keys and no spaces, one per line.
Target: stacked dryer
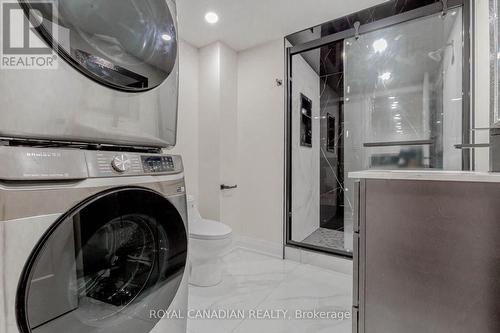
{"x":93,"y":224}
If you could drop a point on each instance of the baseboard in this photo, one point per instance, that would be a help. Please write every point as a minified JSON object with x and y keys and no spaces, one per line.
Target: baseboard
{"x":257,"y":245}
{"x":331,"y":262}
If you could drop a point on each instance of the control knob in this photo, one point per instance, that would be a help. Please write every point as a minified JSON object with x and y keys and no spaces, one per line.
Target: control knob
{"x":121,"y":163}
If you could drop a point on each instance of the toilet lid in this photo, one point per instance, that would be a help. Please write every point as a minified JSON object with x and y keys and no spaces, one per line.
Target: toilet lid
{"x":208,"y":229}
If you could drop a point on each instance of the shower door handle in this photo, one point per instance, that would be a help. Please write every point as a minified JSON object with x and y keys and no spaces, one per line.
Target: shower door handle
{"x":228,"y":187}
{"x":472,"y":145}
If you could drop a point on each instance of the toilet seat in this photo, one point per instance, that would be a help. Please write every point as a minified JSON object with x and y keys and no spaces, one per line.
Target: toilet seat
{"x":209,"y":230}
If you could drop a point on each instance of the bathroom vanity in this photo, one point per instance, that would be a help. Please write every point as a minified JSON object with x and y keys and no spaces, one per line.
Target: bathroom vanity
{"x":427,"y":252}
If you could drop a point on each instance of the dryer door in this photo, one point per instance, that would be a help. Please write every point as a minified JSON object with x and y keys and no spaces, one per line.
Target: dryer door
{"x":105,"y":266}
{"x":125,"y":44}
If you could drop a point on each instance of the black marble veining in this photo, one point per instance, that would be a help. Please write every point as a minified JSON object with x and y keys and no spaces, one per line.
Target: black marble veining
{"x":365,"y":16}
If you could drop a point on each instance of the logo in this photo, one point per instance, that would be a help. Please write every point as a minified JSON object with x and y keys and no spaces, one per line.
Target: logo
{"x":22,"y":47}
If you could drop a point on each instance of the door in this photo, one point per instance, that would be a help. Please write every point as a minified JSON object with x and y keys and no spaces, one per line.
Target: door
{"x":390,"y":98}
{"x":431,"y":257}
{"x":404,"y":99}
{"x":104,"y":266}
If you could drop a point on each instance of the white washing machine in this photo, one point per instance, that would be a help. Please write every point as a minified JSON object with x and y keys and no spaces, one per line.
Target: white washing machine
{"x":92,"y":242}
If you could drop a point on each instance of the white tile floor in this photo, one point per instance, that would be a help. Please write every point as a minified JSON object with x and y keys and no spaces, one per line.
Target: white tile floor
{"x":257,"y":282}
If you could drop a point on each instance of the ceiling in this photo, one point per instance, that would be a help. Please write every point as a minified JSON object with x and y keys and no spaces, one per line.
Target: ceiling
{"x":246,"y":23}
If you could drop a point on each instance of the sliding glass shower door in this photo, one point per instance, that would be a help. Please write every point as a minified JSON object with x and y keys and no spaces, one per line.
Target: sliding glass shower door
{"x":387,"y":99}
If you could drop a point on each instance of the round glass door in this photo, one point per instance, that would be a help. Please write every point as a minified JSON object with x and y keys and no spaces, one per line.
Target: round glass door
{"x":105,"y":266}
{"x":125,"y":44}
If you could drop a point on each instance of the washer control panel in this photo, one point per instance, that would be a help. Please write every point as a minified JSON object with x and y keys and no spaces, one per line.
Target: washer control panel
{"x":155,"y":164}
{"x":121,"y":163}
{"x":110,"y":164}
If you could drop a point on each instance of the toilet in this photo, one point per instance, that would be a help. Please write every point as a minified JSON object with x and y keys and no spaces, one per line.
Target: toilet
{"x":209,"y":241}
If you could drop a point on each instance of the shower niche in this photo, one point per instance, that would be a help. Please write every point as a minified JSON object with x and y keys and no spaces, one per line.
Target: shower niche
{"x":305,"y":121}
{"x":385,"y":97}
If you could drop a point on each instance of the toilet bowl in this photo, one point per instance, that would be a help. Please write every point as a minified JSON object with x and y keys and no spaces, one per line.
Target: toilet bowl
{"x":209,"y":241}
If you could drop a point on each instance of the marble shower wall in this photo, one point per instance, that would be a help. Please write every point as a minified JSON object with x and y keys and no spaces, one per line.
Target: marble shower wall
{"x":305,"y":160}
{"x":331,"y":146}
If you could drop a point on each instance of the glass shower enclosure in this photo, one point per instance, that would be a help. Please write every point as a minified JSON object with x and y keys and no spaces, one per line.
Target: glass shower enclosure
{"x":388,"y":98}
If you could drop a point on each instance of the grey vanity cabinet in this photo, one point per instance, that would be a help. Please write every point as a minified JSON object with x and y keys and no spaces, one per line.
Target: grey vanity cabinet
{"x":427,"y":257}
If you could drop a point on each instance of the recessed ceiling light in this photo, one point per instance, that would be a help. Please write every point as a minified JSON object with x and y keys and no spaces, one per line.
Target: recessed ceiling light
{"x":380,"y":45}
{"x":166,"y":37}
{"x":211,"y":17}
{"x":385,"y":76}
{"x":392,"y":97}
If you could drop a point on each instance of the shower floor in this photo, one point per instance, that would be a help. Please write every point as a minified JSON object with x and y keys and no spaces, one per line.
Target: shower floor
{"x":332,"y":239}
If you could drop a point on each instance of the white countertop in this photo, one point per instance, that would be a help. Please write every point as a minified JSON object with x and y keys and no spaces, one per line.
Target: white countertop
{"x":433,"y":175}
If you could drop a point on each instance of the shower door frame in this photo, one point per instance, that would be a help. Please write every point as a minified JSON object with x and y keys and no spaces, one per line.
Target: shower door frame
{"x":467,"y":98}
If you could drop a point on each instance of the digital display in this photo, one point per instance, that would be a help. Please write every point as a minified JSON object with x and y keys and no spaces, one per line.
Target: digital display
{"x":158,"y":163}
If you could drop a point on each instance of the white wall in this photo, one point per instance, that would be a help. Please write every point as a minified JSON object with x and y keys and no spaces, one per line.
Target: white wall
{"x":261,"y":142}
{"x":209,"y":132}
{"x":229,"y":200}
{"x":218,"y":125}
{"x":187,"y":126}
{"x":305,"y":160}
{"x":482,"y":82}
{"x":231,"y":131}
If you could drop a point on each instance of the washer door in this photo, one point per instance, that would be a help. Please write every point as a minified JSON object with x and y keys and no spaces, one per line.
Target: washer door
{"x":105,"y":266}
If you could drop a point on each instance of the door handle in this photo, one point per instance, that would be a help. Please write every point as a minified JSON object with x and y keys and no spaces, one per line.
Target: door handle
{"x":227,"y":187}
